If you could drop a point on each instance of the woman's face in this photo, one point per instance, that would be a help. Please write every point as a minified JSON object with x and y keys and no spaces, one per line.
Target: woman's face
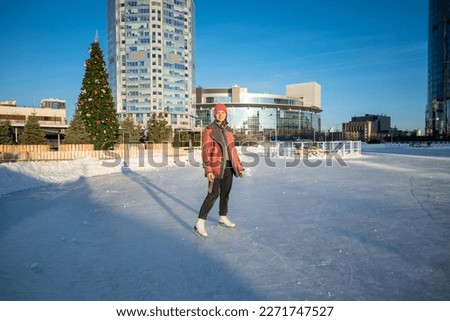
{"x":221,"y":116}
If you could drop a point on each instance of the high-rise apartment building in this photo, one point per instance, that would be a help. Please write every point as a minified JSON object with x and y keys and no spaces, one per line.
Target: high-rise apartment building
{"x":438,"y":102}
{"x":151,"y":59}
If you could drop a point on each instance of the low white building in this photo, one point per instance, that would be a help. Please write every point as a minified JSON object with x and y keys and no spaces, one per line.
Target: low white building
{"x":51,"y":116}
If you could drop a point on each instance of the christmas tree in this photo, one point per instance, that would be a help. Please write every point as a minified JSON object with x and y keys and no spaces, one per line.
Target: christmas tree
{"x":95,"y":102}
{"x":32,"y":133}
{"x":6,"y":133}
{"x":158,"y":129}
{"x":76,"y":133}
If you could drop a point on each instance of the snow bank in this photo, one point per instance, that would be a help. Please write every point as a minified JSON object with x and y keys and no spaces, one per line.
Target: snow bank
{"x":25,"y":175}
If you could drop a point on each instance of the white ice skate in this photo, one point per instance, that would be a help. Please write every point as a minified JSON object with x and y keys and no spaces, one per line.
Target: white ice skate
{"x":225,"y":222}
{"x":199,"y":228}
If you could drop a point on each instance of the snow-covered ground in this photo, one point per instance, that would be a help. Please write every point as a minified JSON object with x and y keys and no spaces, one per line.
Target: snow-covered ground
{"x":377,"y":228}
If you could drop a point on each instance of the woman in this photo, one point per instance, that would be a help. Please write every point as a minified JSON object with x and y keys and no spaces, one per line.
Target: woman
{"x":220,"y":162}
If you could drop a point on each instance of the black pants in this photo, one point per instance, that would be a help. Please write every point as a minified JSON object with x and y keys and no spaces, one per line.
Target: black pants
{"x":220,"y":187}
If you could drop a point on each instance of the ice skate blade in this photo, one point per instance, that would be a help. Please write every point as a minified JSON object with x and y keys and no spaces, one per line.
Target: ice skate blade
{"x":196,"y":232}
{"x":227,"y":227}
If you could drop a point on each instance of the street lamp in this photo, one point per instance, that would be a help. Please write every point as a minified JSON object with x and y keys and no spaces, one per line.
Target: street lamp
{"x":276,"y":125}
{"x":275,"y":130}
{"x":201,"y":127}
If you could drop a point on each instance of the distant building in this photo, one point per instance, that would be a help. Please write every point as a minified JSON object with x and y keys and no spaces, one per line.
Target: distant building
{"x":51,"y":117}
{"x":406,"y":135}
{"x":367,"y":128}
{"x":263,"y":116}
{"x":438,"y":101}
{"x":53,"y":103}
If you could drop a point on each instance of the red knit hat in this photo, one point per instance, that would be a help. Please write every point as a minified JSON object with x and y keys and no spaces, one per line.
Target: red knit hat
{"x":220,"y":106}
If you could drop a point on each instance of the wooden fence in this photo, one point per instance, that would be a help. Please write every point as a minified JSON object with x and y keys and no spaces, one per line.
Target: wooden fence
{"x":75,"y":147}
{"x":9,"y":153}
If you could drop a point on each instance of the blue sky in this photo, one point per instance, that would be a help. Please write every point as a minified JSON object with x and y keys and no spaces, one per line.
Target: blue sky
{"x":368,"y":56}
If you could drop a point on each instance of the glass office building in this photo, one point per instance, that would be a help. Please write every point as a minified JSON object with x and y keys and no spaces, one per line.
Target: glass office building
{"x":438,"y":102}
{"x":259,"y":116}
{"x":151,"y":59}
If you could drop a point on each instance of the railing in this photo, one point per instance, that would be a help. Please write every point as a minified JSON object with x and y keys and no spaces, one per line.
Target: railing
{"x":318,"y":149}
{"x":406,"y":144}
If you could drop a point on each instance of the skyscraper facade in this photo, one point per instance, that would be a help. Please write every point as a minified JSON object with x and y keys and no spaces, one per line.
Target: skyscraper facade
{"x":438,"y":102}
{"x":151,"y":59}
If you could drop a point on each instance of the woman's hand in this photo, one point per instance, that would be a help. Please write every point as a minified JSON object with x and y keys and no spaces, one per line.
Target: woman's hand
{"x":210,"y":176}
